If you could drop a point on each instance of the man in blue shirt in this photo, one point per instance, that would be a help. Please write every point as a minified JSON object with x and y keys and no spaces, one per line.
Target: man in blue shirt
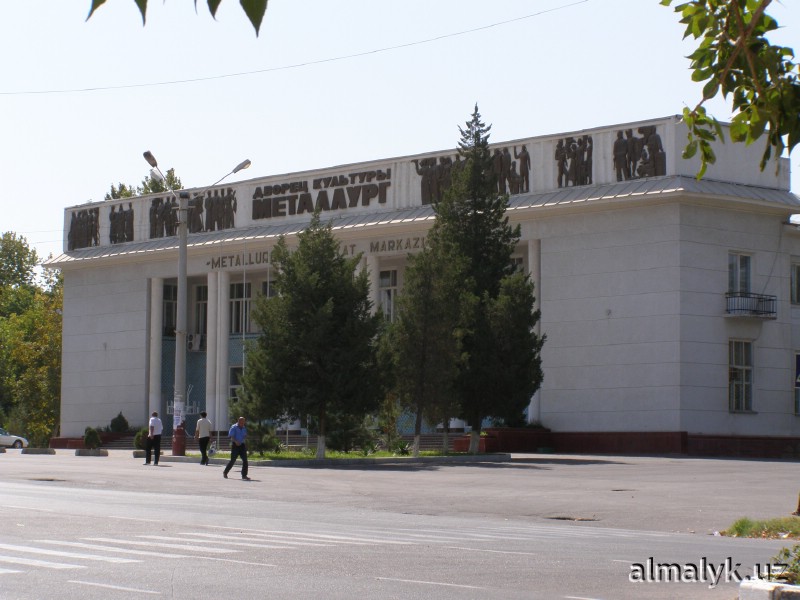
{"x":238,"y":435}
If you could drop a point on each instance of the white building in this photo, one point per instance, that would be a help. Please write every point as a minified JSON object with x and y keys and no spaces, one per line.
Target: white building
{"x":671,"y":306}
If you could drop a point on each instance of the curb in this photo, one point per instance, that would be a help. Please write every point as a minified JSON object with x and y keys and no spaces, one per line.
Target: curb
{"x":349,"y":462}
{"x":91,"y":452}
{"x":768,"y":590}
{"x":38,"y":451}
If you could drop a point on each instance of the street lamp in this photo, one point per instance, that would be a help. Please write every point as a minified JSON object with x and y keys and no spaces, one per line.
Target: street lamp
{"x":178,"y":404}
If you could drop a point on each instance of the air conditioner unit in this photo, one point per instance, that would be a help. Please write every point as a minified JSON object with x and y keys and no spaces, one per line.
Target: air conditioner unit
{"x":196,"y":342}
{"x":193,"y":342}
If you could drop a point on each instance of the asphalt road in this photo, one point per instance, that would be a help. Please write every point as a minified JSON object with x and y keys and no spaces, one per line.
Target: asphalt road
{"x":538,"y":527}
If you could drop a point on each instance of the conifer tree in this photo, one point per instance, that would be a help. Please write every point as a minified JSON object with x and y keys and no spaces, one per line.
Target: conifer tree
{"x":424,"y":340}
{"x":317,"y":352}
{"x":500,"y":368}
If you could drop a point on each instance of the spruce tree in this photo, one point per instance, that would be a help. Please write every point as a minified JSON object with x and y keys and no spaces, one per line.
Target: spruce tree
{"x":424,"y":340}
{"x":500,"y":366}
{"x":316,"y":355}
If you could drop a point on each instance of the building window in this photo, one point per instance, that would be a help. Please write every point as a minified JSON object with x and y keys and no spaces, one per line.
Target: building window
{"x":795,"y":283}
{"x":797,"y":384}
{"x":170,"y":317}
{"x":235,"y":382}
{"x":201,"y":310}
{"x":268,"y":289}
{"x":388,"y":292}
{"x":518,"y":264}
{"x":740,"y":376}
{"x":738,"y":273}
{"x":240,"y":307}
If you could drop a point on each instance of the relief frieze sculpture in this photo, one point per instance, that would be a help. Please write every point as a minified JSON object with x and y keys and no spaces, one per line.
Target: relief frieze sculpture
{"x":573,"y":157}
{"x":213,"y":211}
{"x":512,"y":175}
{"x":639,"y":157}
{"x":435,"y":176}
{"x":84,"y":229}
{"x":121,"y":224}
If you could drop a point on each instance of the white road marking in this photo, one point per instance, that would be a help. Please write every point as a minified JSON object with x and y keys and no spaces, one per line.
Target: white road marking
{"x":115,"y":587}
{"x":441,"y":537}
{"x":135,"y":519}
{"x":6,"y":571}
{"x":30,"y":562}
{"x":154,"y":554}
{"x":46,"y":552}
{"x":226,"y":542}
{"x":113,"y":549}
{"x":158,"y":545}
{"x":455,"y":585}
{"x":230,"y":560}
{"x":492,"y":551}
{"x":341,"y":539}
{"x":225,"y":538}
{"x":28,"y":508}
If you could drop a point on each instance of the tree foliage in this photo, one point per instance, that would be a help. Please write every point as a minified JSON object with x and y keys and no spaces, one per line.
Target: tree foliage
{"x":317,"y":352}
{"x":30,"y":344}
{"x":17,"y":261}
{"x":735,"y":58}
{"x":254,"y":9}
{"x":149,"y":185}
{"x":424,"y":342}
{"x":499,"y":367}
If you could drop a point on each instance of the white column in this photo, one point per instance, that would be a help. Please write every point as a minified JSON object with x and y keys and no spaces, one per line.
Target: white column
{"x":156,"y":328}
{"x":373,"y":268}
{"x":212,"y":400}
{"x":223,"y":335}
{"x":535,"y":272}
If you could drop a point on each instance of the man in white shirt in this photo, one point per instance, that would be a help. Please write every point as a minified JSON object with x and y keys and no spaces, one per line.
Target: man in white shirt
{"x":202,"y":434}
{"x":155,"y":428}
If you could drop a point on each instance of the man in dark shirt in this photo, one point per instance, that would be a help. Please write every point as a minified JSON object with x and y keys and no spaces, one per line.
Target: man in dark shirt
{"x":238,"y":435}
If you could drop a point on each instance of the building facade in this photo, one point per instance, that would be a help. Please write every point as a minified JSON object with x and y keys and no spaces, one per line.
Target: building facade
{"x":671,"y":305}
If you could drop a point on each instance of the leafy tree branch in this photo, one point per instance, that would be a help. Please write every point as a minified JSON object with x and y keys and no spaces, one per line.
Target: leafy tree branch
{"x":254,"y":9}
{"x":736,"y":59}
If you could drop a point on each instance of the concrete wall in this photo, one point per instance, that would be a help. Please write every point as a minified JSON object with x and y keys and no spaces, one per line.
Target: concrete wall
{"x":633,"y":305}
{"x":709,"y":233}
{"x":609,"y":307}
{"x":104,"y":352}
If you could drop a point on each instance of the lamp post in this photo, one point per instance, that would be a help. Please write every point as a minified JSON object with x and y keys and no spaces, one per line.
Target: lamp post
{"x":179,"y":402}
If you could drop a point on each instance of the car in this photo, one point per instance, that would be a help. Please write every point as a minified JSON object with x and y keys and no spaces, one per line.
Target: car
{"x":12,"y":441}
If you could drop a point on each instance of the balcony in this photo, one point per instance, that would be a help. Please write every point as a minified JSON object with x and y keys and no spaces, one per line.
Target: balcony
{"x":746,"y":304}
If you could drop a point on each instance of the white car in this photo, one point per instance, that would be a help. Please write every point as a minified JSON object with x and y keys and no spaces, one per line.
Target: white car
{"x":12,"y":441}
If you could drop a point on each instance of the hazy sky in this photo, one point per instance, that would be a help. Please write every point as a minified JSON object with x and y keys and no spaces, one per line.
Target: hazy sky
{"x":326,"y":83}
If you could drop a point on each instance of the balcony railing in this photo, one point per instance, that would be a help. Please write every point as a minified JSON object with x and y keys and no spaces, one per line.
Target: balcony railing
{"x":746,"y":304}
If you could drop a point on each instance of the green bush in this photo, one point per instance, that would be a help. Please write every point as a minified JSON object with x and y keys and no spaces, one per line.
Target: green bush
{"x":401,"y":448}
{"x":119,"y":424}
{"x":140,"y":439}
{"x":91,"y":439}
{"x":269,"y":442}
{"x":790,"y":558}
{"x":776,"y":528}
{"x":348,"y":433}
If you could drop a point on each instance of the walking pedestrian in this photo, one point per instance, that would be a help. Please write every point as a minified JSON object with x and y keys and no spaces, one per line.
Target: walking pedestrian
{"x":238,"y":435}
{"x":154,"y":430}
{"x":202,"y":433}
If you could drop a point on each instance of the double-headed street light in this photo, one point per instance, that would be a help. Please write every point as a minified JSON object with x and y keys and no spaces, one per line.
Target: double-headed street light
{"x":179,"y":404}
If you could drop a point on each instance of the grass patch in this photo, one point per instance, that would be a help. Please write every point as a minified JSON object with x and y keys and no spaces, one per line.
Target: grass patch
{"x":773,"y":529}
{"x":310,"y":453}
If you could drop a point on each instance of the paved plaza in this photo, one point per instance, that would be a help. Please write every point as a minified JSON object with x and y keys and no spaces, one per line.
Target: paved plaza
{"x":534,"y":526}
